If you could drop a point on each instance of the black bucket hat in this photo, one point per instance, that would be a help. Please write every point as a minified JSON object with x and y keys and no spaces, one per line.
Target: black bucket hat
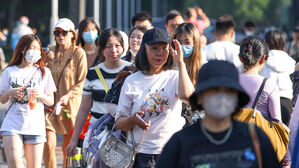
{"x":153,"y":36}
{"x":218,"y":73}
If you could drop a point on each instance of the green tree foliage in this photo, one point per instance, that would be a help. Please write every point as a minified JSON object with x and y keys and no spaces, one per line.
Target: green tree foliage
{"x":260,"y":11}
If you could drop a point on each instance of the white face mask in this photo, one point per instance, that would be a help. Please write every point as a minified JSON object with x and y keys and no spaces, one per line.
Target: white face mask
{"x":32,"y":56}
{"x":249,"y":33}
{"x":219,"y":105}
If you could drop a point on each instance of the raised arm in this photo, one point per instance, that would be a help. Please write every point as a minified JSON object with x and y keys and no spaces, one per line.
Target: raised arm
{"x":185,"y":85}
{"x":203,"y":16}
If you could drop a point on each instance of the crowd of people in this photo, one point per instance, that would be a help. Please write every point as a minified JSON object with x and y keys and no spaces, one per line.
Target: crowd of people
{"x":169,"y":92}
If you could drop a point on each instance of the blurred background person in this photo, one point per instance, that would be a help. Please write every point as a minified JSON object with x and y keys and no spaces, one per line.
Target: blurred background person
{"x":172,"y":19}
{"x":192,"y":15}
{"x":135,"y":38}
{"x":248,"y":30}
{"x":68,"y":65}
{"x":278,"y":67}
{"x":223,"y":48}
{"x":293,"y":49}
{"x":88,"y":35}
{"x":143,"y":19}
{"x":126,"y":42}
{"x":20,"y":30}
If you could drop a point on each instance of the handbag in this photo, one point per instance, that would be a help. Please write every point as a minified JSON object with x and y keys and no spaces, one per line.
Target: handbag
{"x":277,"y":132}
{"x":116,"y":153}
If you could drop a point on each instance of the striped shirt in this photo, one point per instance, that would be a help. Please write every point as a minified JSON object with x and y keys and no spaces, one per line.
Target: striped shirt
{"x":94,"y":87}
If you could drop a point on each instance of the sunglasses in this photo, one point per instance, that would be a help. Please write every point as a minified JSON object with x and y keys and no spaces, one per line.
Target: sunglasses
{"x":57,"y":32}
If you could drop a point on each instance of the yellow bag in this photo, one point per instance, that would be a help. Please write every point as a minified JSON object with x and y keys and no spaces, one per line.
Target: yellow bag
{"x":278,"y":133}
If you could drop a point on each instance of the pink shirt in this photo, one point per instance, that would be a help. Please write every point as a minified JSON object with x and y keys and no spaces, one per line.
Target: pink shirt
{"x":269,"y":101}
{"x":199,"y":24}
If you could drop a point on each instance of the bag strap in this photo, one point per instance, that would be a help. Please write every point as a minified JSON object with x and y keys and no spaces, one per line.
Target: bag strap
{"x":256,"y":144}
{"x":22,"y":90}
{"x":259,"y":94}
{"x":100,"y":75}
{"x":67,"y":62}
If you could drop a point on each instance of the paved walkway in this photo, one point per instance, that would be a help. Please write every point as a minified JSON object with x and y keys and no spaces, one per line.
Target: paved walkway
{"x":59,"y":154}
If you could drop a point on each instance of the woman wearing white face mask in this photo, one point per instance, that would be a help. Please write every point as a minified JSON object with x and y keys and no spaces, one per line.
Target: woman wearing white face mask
{"x":188,"y":35}
{"x":189,"y":38}
{"x":88,"y":35}
{"x":27,"y":84}
{"x":218,"y":140}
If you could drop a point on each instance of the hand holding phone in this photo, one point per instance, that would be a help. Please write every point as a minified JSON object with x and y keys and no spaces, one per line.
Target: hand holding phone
{"x":140,"y":119}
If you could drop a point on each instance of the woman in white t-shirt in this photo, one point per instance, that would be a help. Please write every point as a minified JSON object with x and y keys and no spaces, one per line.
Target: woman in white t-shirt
{"x":154,"y":94}
{"x":24,"y":124}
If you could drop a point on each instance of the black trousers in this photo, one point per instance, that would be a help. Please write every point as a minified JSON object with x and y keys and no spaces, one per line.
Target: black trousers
{"x":286,"y":110}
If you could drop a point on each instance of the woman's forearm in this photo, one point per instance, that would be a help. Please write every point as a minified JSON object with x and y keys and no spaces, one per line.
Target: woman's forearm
{"x":48,"y":99}
{"x":185,"y":85}
{"x":125,"y":123}
{"x":4,"y":97}
{"x":81,"y":116}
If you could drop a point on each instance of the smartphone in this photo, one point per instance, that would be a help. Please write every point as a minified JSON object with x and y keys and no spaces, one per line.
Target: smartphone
{"x":139,"y":118}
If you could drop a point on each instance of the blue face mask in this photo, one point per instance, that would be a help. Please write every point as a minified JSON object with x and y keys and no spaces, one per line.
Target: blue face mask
{"x":90,"y":37}
{"x":187,"y":50}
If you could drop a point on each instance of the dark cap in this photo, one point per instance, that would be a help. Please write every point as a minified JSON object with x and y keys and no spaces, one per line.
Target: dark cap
{"x":217,"y":73}
{"x":155,"y":35}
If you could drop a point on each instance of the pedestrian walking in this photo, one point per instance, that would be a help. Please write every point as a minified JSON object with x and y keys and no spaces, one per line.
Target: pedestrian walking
{"x":27,"y":84}
{"x":68,"y":66}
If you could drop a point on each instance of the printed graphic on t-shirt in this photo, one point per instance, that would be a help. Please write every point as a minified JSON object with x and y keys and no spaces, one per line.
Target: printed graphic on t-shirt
{"x":244,"y":158}
{"x":20,"y":82}
{"x":155,"y":103}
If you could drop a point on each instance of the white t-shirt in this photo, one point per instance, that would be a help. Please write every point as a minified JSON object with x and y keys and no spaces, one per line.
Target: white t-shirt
{"x":157,"y":96}
{"x":20,"y":118}
{"x":224,"y":50}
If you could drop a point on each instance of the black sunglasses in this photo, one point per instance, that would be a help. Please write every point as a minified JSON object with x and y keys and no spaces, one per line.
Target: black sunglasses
{"x":57,"y":32}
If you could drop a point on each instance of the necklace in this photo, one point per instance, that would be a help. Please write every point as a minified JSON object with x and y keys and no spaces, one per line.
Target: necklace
{"x":214,"y":141}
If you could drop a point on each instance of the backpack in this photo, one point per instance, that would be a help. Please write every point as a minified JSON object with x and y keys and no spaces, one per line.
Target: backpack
{"x":277,"y":132}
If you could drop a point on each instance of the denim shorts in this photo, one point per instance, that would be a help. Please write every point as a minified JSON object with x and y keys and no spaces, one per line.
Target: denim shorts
{"x":27,"y":139}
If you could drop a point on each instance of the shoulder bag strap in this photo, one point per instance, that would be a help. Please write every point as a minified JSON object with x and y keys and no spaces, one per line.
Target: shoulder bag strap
{"x":22,"y":90}
{"x":256,"y":144}
{"x":100,"y":75}
{"x":67,"y":62}
{"x":259,"y":94}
